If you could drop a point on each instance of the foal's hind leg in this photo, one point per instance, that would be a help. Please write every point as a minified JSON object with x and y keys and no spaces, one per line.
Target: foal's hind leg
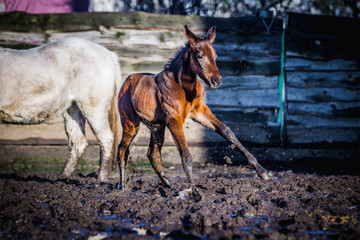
{"x":154,"y":152}
{"x":129,"y":132}
{"x":75,"y":130}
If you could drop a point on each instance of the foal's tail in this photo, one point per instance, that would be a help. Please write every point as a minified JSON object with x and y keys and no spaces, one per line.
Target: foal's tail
{"x":114,"y":116}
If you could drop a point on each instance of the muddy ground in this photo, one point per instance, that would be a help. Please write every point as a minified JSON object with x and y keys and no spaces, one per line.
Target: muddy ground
{"x":304,"y":201}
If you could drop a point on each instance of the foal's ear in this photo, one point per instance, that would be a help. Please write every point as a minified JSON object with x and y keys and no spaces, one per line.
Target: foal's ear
{"x":211,"y":34}
{"x":190,"y":36}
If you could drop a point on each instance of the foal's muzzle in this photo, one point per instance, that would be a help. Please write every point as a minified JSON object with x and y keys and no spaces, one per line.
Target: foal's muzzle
{"x":215,"y":82}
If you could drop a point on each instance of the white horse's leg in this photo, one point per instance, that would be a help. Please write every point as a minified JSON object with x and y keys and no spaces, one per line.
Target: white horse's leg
{"x":99,"y":123}
{"x":75,"y":130}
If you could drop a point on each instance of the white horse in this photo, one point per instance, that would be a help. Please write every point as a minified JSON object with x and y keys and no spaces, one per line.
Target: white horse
{"x":73,"y":77}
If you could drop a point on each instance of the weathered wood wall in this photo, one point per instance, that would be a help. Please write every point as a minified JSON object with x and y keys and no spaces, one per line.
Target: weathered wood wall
{"x":248,"y":58}
{"x":322,"y":68}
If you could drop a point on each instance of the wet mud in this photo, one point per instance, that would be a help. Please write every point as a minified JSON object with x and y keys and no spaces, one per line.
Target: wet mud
{"x":235,"y":204}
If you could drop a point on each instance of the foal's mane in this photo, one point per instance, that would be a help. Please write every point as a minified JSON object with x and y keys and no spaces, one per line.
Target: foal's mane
{"x":176,"y":55}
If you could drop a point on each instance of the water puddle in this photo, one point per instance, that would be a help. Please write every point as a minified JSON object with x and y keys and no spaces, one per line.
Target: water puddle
{"x":134,"y":231}
{"x":100,"y":236}
{"x":319,"y":232}
{"x":258,"y":224}
{"x":105,"y":217}
{"x":231,"y":175}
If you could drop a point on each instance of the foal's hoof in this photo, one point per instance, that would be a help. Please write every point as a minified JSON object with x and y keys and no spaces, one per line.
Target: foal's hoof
{"x":184,"y":194}
{"x":190,"y":193}
{"x":166,"y":183}
{"x":264,"y":176}
{"x":103,"y":177}
{"x":121,"y":187}
{"x":196,"y":195}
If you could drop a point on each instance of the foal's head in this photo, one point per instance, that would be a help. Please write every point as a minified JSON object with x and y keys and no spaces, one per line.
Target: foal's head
{"x":202,"y":57}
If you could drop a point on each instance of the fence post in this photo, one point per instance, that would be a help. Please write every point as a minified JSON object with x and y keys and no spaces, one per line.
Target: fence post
{"x":282,"y":89}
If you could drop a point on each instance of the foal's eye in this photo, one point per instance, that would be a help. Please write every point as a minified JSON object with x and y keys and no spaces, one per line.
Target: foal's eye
{"x":199,"y":56}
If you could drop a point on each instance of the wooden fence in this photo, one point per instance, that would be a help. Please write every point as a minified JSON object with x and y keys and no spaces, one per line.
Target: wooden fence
{"x":322,"y":67}
{"x":317,"y":78}
{"x":248,"y":58}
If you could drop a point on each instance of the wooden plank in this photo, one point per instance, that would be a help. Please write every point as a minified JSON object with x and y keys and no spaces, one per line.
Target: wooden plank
{"x":244,"y":116}
{"x":128,"y":38}
{"x":140,"y":51}
{"x":325,"y":109}
{"x":249,"y":82}
{"x":322,"y":49}
{"x":301,"y":79}
{"x":271,"y":41}
{"x":236,"y":46}
{"x":307,"y":121}
{"x":23,"y":22}
{"x":314,"y":95}
{"x":30,"y":38}
{"x":246,"y":54}
{"x":142,"y":67}
{"x":301,"y":64}
{"x":236,"y":53}
{"x":312,"y":136}
{"x":111,"y":38}
{"x":260,"y":98}
{"x":249,"y":67}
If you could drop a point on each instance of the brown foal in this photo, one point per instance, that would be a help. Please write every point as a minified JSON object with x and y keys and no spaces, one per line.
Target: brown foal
{"x":167,"y":99}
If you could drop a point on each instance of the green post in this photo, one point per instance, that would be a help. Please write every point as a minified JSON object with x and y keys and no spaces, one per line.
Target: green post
{"x":281,"y":89}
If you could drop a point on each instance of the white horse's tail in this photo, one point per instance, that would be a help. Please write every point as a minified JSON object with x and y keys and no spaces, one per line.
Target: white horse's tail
{"x":114,"y":116}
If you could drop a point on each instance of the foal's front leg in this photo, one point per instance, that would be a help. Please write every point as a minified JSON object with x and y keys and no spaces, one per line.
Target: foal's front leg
{"x":176,"y":128}
{"x":204,"y":116}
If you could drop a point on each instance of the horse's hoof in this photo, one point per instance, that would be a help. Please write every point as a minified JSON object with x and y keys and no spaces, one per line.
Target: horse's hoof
{"x":184,"y":194}
{"x":190,"y":193}
{"x":196,"y":195}
{"x":103,"y":178}
{"x":66,"y":174}
{"x":121,"y":187}
{"x":264,"y":176}
{"x":166,"y":183}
